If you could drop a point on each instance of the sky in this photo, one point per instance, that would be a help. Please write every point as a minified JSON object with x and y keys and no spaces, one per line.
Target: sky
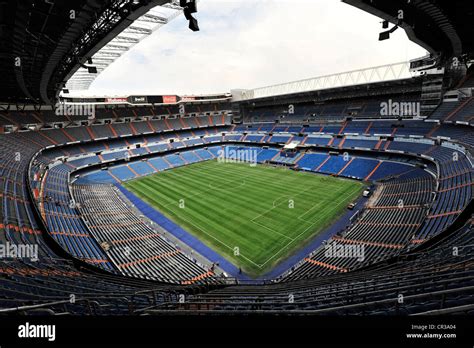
{"x":245,"y":44}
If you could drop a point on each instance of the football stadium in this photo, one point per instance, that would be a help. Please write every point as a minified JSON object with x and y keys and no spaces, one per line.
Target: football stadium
{"x":347,"y":194}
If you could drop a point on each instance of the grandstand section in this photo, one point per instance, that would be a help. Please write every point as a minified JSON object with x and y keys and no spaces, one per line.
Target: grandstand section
{"x":355,"y":162}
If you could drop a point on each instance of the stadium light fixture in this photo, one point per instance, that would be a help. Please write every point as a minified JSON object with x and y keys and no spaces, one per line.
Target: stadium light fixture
{"x":90,"y":69}
{"x":193,"y":24}
{"x":187,"y":14}
{"x":385,"y":35}
{"x":190,"y":8}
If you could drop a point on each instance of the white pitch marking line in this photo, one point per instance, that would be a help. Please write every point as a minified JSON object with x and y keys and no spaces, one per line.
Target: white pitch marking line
{"x":198,"y":194}
{"x":284,"y":247}
{"x":274,"y":206}
{"x":314,"y":206}
{"x":217,"y":239}
{"x":271,"y":230}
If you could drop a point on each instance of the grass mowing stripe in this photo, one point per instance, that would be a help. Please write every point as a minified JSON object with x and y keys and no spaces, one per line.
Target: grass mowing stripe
{"x":324,"y":215}
{"x":224,"y":201}
{"x":250,"y":202}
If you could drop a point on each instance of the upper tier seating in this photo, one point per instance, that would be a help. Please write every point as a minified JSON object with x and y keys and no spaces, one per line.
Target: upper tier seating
{"x":30,"y":117}
{"x":328,"y":110}
{"x":455,"y":111}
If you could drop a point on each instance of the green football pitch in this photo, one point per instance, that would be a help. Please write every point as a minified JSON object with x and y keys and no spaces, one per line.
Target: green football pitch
{"x":254,"y":216}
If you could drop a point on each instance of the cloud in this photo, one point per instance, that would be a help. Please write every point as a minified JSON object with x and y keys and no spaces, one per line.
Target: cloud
{"x":253,"y":43}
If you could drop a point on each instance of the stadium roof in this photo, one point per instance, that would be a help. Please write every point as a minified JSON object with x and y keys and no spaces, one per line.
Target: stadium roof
{"x":442,"y":27}
{"x":388,"y":72}
{"x":44,"y":41}
{"x":398,"y":86}
{"x":123,"y":41}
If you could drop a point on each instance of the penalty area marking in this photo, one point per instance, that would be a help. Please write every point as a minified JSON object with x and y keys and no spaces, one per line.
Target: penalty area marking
{"x":218,"y":240}
{"x":299,"y":235}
